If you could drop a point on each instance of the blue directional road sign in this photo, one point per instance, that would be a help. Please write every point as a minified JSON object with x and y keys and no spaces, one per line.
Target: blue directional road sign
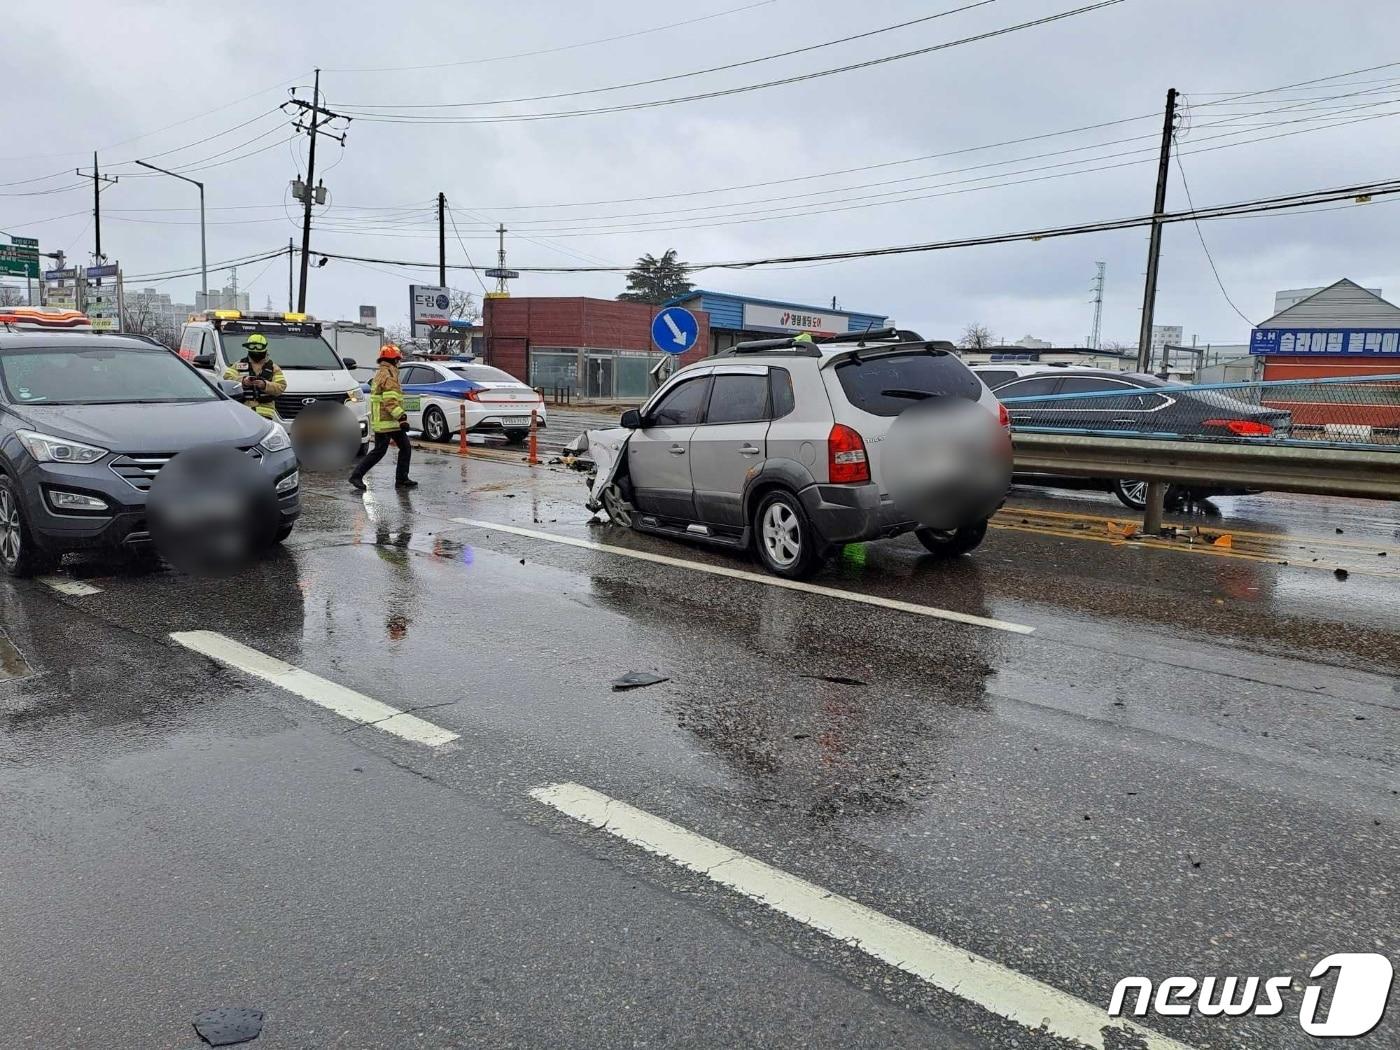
{"x":675,"y":330}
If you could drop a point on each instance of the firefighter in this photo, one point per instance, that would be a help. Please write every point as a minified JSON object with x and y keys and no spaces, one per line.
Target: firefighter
{"x":389,"y":421}
{"x":260,"y":377}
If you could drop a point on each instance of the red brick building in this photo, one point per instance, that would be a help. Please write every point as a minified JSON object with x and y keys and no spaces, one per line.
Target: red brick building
{"x":600,"y":348}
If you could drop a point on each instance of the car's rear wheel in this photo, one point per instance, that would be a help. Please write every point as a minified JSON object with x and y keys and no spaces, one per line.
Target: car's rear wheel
{"x":949,"y":543}
{"x":618,"y":507}
{"x":517,"y":437}
{"x":1132,"y":494}
{"x":19,"y":556}
{"x":435,"y":426}
{"x":783,"y":537}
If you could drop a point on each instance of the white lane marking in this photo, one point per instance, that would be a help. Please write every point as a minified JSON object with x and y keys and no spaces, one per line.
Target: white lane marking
{"x":75,"y":588}
{"x":988,"y":984}
{"x":756,"y":577}
{"x":345,"y":702}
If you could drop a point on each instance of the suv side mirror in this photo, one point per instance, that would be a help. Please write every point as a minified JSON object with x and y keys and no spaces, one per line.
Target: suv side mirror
{"x":232,"y":387}
{"x":203,"y":361}
{"x":632,"y":419}
{"x":349,"y":362}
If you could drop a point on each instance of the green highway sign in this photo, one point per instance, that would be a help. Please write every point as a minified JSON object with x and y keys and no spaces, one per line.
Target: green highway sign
{"x":20,"y":258}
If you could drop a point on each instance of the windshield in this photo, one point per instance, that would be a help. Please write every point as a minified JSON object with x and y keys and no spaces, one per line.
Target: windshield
{"x":287,"y":348}
{"x":482,"y":374}
{"x":99,"y":376}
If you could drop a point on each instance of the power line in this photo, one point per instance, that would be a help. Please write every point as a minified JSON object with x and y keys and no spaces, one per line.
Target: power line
{"x":400,"y":118}
{"x":1202,"y":237}
{"x":465,"y":253}
{"x":555,"y":50}
{"x":678,"y":76}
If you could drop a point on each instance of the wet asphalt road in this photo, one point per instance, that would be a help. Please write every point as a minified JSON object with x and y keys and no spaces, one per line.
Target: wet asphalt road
{"x":1189,"y":768}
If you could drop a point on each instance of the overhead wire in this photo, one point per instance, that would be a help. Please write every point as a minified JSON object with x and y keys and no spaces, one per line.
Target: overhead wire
{"x":1176,"y":155}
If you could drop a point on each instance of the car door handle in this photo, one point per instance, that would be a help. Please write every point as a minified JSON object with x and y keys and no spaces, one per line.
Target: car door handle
{"x":748,"y":450}
{"x":678,"y":450}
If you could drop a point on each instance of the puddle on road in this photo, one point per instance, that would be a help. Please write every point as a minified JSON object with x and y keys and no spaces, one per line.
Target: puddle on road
{"x":12,"y":661}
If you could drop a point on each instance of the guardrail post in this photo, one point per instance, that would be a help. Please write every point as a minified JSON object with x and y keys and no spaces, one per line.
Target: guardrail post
{"x":462,"y":434}
{"x":1152,"y":515}
{"x":534,"y":457}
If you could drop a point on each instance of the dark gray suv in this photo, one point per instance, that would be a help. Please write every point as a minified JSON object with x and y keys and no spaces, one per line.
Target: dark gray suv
{"x":86,"y":422}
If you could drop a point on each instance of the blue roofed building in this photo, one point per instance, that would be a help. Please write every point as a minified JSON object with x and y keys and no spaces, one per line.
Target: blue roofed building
{"x":735,"y":318}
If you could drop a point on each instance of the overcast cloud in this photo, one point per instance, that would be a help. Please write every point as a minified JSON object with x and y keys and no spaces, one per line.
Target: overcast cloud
{"x":99,"y":74}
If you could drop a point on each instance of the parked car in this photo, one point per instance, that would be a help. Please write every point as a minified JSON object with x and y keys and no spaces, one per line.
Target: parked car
{"x":86,"y":422}
{"x":314,"y":371}
{"x":782,"y":447}
{"x":1149,"y":405}
{"x":496,"y":402}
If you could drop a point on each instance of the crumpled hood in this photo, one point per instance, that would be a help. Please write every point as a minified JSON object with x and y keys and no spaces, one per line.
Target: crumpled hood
{"x":148,"y":428}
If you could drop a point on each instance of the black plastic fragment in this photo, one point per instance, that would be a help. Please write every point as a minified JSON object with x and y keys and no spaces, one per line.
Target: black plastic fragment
{"x":836,"y":678}
{"x":228,"y":1025}
{"x":636,"y":680}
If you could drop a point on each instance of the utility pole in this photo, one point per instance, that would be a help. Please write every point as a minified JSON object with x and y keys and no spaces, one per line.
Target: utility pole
{"x":1154,"y":244}
{"x":442,"y":240}
{"x":291,"y":256}
{"x":1098,"y":306}
{"x":98,"y":179}
{"x":316,"y":117}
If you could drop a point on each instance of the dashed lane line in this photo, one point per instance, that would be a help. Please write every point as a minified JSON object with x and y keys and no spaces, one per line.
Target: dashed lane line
{"x":755,"y":577}
{"x":333,"y":697}
{"x":72,"y":588}
{"x":996,"y":988}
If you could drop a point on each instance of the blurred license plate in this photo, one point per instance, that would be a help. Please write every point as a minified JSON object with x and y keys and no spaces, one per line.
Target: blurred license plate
{"x":516,"y":421}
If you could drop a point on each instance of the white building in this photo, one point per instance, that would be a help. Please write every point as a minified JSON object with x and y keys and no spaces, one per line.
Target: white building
{"x":224,"y":299}
{"x":1030,"y":342}
{"x":1164,"y":335}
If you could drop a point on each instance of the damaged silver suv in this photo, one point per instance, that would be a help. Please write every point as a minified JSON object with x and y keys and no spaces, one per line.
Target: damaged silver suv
{"x":794,"y":447}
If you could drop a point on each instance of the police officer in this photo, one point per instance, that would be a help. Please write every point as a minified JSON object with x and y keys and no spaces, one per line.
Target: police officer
{"x":260,"y":377}
{"x":389,"y":421}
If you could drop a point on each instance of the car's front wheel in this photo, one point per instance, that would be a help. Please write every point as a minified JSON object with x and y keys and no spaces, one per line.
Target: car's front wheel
{"x":1132,"y":494}
{"x":617,"y":506}
{"x":784,"y":537}
{"x":435,"y":426}
{"x":949,"y":543}
{"x":19,"y":555}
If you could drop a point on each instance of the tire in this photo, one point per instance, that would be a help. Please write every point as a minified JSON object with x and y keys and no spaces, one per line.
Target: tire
{"x":283,"y":532}
{"x":19,"y":556}
{"x":617,"y":506}
{"x":950,"y":543}
{"x":1132,"y":494}
{"x":435,"y":426}
{"x":517,"y":437}
{"x":783,"y":536}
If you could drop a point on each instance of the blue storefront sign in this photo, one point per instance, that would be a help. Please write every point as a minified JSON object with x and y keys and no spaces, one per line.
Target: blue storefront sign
{"x":1300,"y":342}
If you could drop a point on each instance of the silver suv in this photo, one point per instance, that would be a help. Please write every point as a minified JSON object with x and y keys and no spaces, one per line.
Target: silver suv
{"x":790,"y":447}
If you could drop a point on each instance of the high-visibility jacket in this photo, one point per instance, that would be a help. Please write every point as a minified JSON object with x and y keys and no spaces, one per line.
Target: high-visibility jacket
{"x":262,"y":401}
{"x":386,"y":403}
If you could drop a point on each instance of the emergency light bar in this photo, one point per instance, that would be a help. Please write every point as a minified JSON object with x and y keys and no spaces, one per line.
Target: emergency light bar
{"x":35,"y":317}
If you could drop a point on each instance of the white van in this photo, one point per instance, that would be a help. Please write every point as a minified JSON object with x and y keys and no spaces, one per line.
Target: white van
{"x":213,"y":341}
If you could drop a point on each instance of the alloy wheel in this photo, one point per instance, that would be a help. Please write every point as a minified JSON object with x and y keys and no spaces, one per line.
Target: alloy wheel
{"x":9,"y":529}
{"x":619,"y":511}
{"x":1135,"y":491}
{"x":782,"y":538}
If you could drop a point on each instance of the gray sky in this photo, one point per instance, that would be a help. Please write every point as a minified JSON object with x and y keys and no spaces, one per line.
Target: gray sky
{"x":116,"y":74}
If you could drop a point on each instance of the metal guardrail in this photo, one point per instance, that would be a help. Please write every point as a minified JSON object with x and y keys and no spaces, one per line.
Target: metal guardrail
{"x":1332,"y":436}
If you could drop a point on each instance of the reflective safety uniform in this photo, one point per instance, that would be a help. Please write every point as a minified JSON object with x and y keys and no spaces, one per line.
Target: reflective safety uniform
{"x":264,"y":401}
{"x":386,"y":402}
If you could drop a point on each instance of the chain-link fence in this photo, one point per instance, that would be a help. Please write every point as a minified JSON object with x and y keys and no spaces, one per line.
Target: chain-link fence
{"x":1350,"y":411}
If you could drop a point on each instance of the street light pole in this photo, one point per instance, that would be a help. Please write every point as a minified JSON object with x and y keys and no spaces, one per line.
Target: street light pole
{"x":203,"y":248}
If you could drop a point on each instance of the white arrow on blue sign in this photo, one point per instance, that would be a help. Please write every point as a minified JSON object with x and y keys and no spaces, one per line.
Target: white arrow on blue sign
{"x":675,"y":330}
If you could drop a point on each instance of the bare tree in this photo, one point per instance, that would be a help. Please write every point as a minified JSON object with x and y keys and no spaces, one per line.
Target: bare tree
{"x":11,"y":296}
{"x":977,"y":337}
{"x":397,"y":333}
{"x":464,"y":305}
{"x":141,"y":315}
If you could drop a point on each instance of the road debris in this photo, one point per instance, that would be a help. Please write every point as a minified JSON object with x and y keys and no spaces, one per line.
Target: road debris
{"x":228,"y":1025}
{"x":637,"y":680}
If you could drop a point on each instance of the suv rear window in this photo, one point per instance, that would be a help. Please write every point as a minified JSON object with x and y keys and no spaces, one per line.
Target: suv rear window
{"x":869,"y":383}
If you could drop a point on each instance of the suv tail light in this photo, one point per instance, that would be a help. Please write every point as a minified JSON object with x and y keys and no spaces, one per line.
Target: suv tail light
{"x":1003,"y":416}
{"x":1241,"y":427}
{"x":845,"y":456}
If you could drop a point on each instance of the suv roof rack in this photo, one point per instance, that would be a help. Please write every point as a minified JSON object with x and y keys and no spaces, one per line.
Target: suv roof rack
{"x":812,"y":347}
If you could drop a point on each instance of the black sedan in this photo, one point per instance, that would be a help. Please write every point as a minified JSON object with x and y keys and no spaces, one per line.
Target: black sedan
{"x":1129,"y":403}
